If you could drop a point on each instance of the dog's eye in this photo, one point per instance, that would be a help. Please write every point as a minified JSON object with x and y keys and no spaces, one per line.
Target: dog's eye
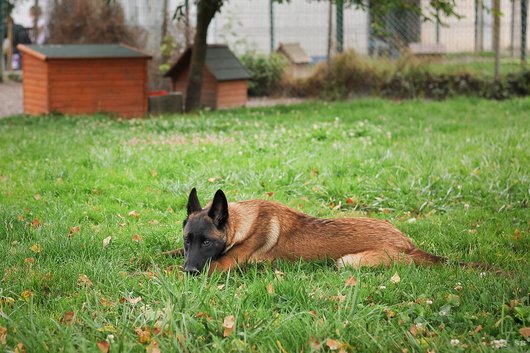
{"x":206,"y":242}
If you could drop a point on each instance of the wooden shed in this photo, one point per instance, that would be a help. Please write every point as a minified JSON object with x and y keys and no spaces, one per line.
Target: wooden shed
{"x":84,"y":79}
{"x":299,"y":61}
{"x":225,"y":79}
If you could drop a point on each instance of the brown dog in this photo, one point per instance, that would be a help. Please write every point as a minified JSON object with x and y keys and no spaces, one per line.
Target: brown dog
{"x":228,"y":234}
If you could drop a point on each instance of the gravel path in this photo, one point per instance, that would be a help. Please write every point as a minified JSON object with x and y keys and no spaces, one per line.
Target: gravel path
{"x":10,"y":98}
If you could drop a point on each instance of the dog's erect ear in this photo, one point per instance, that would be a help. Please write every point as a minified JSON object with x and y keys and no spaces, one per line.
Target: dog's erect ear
{"x":219,"y":209}
{"x":193,"y":202}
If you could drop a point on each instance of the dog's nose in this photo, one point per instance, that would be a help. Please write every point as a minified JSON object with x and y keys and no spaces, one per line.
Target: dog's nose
{"x":191,"y":269}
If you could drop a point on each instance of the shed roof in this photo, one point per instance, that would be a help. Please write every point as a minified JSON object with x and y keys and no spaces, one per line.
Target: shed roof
{"x":220,"y":61}
{"x":82,"y":51}
{"x":294,"y":52}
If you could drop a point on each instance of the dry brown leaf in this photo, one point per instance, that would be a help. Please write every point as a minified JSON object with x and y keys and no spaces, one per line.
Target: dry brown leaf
{"x":20,"y":348}
{"x":476,"y":330}
{"x":352,"y":281}
{"x":315,"y":344}
{"x":333,"y":344}
{"x":516,"y":234}
{"x":416,"y":330}
{"x":134,"y":300}
{"x":105,"y":302}
{"x":389,"y":313}
{"x":36,"y":248}
{"x":106,"y":241}
{"x":3,"y":335}
{"x":395,"y":278}
{"x":270,"y":193}
{"x":36,"y":223}
{"x":525,"y":332}
{"x":137,"y":238}
{"x":134,"y":214}
{"x":27,"y":294}
{"x":144,"y":336}
{"x":29,"y":260}
{"x":228,"y":325}
{"x":83,"y":281}
{"x":152,"y":347}
{"x":104,"y":346}
{"x":270,"y":288}
{"x":349,"y":200}
{"x":221,"y":286}
{"x":203,"y":314}
{"x":68,"y":318}
{"x":213,"y":180}
{"x":74,"y":230}
{"x":339,"y":298}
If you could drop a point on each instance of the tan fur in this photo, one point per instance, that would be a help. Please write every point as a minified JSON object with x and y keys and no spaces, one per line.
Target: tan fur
{"x":260,"y":230}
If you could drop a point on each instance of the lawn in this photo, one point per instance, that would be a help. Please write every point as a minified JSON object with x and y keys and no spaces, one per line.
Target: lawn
{"x":87,"y":204}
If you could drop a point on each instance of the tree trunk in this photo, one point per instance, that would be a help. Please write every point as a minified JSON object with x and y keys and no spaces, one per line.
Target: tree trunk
{"x":206,"y":10}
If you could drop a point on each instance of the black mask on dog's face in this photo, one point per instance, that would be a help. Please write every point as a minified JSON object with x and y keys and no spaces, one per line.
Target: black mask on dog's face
{"x":204,"y":231}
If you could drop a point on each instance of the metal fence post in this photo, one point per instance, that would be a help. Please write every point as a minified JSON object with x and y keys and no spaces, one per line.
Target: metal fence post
{"x":271,"y":24}
{"x":524,"y":17}
{"x":340,"y":25}
{"x":496,"y":36}
{"x":1,"y":40}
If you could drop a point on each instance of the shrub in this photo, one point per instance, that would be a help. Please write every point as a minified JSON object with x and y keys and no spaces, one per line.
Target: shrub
{"x":89,"y":22}
{"x":266,"y":71}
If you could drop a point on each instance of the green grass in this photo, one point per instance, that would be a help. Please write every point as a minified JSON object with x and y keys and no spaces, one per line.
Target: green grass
{"x":452,"y":175}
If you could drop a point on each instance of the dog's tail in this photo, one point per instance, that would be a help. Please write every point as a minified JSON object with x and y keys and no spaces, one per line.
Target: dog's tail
{"x":424,"y":258}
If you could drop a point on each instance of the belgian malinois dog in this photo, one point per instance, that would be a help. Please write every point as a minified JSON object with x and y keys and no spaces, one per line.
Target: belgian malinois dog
{"x":231,"y":234}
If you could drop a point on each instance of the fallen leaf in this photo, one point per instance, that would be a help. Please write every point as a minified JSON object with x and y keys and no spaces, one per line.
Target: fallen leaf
{"x":26,"y":294}
{"x":152,"y":347}
{"x":525,"y":332}
{"x":104,"y":346}
{"x":137,"y":238}
{"x":133,"y":213}
{"x":37,"y":197}
{"x":213,"y":180}
{"x":279,"y":274}
{"x":270,"y":193}
{"x":74,"y":230}
{"x":153,"y":222}
{"x":20,"y":348}
{"x":3,"y":335}
{"x":68,"y":318}
{"x":315,"y":344}
{"x":203,"y":314}
{"x":221,"y":286}
{"x":389,"y":313}
{"x":37,"y":248}
{"x":349,"y":200}
{"x":29,"y":260}
{"x":339,"y":298}
{"x":270,"y":288}
{"x":516,"y":234}
{"x":106,"y":303}
{"x":476,"y":330}
{"x":228,"y":325}
{"x":134,"y":300}
{"x":333,"y":344}
{"x":106,"y":241}
{"x":395,"y":278}
{"x":36,"y":223}
{"x":144,"y":336}
{"x":352,"y":282}
{"x":417,"y":329}
{"x":83,"y":281}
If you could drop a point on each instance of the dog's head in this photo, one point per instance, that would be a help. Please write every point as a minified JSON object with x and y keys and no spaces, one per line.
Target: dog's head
{"x":204,"y":231}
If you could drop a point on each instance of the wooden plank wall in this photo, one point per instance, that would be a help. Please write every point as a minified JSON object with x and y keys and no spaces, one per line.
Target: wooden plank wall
{"x":209,"y":87}
{"x":35,"y":85}
{"x":87,"y":86}
{"x":232,"y":94}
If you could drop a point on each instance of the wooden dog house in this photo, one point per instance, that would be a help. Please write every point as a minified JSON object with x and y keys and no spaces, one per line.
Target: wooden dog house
{"x":84,"y":79}
{"x":225,"y":79}
{"x":299,"y":61}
